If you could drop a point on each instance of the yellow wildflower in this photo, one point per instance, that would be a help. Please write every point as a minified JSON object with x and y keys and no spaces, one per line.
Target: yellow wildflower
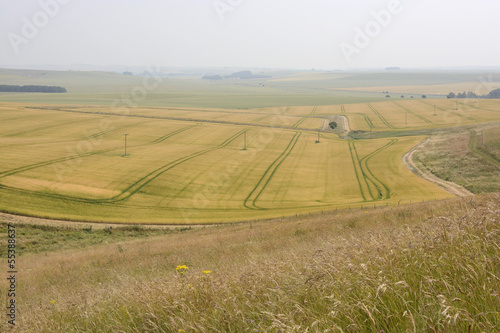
{"x":206,"y":272}
{"x":182,"y":268}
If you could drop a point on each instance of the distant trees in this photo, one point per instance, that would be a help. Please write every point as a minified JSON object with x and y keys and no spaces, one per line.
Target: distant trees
{"x":32,"y":88}
{"x":249,"y":75}
{"x":333,"y":125}
{"x":244,"y":75}
{"x":424,"y":96}
{"x":387,"y":96}
{"x":470,"y":94}
{"x":494,"y":94}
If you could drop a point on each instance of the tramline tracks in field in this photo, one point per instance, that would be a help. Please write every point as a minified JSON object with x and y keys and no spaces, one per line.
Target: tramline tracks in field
{"x":43,"y":128}
{"x":300,"y":121}
{"x":367,"y":119}
{"x":363,"y":187}
{"x":139,"y":184}
{"x":222,"y":122}
{"x":452,"y":112}
{"x":54,"y":161}
{"x":169,"y":135}
{"x":251,"y":199}
{"x":383,"y":191}
{"x":477,"y":108}
{"x":368,"y":182}
{"x":413,"y":113}
{"x":380,"y":116}
{"x":82,"y":155}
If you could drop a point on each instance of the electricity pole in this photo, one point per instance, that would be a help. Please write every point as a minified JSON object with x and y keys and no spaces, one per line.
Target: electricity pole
{"x":125,"y":145}
{"x":245,"y":141}
{"x":435,"y":110}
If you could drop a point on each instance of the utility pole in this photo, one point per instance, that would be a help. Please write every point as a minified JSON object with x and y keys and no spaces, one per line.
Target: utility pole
{"x":406,"y":118}
{"x":456,"y":103}
{"x":318,"y":137}
{"x":435,"y":110}
{"x":125,"y":145}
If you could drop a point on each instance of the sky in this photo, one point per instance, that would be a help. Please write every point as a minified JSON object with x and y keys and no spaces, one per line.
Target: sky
{"x":294,"y":34}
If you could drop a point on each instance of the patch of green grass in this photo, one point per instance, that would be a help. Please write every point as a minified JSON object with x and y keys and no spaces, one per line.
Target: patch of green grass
{"x":449,"y":157}
{"x":34,"y":238}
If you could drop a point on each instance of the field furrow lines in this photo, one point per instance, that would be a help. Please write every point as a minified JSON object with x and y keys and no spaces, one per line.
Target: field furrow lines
{"x":452,"y":112}
{"x":413,"y":113}
{"x":169,"y":135}
{"x":54,"y":161}
{"x":382,"y":188}
{"x":363,"y":186}
{"x":251,"y":199}
{"x":380,"y":116}
{"x":139,"y":184}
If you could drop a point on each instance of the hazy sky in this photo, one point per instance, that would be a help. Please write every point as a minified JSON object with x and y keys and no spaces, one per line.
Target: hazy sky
{"x":322,"y":34}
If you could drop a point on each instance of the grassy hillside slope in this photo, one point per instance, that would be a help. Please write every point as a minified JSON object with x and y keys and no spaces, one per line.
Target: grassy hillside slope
{"x":431,"y":267}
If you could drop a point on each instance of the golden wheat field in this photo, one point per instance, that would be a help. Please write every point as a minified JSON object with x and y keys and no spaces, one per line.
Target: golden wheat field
{"x":200,"y":165}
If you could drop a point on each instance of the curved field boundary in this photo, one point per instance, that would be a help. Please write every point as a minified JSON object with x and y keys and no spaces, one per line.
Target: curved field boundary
{"x":139,"y":184}
{"x":449,"y":187}
{"x":251,"y":199}
{"x":169,"y":135}
{"x":452,"y":112}
{"x":380,"y":116}
{"x":413,"y":113}
{"x":481,"y":154}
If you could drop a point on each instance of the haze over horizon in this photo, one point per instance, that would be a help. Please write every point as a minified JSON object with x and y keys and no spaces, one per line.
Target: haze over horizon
{"x":238,"y":33}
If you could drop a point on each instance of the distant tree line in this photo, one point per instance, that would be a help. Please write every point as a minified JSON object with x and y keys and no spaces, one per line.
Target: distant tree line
{"x":32,"y":88}
{"x":493,"y":94}
{"x":212,"y":77}
{"x":238,"y":75}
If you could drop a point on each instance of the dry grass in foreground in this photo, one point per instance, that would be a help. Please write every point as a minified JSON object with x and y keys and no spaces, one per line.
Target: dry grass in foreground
{"x":433,"y":267}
